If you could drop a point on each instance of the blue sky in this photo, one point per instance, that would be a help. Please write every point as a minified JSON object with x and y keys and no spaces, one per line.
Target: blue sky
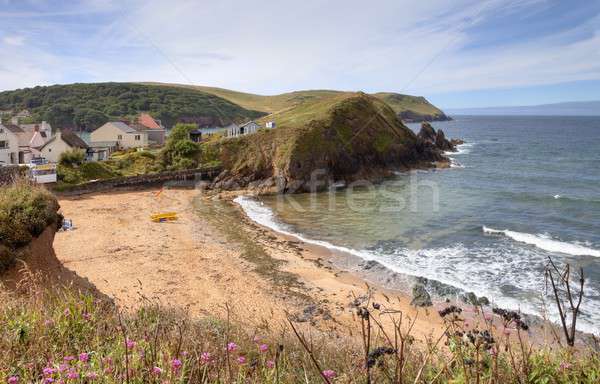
{"x":461,"y":53}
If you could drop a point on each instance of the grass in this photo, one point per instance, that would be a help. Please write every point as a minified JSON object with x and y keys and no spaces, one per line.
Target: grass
{"x":25,"y":211}
{"x":278,"y":103}
{"x":65,"y":336}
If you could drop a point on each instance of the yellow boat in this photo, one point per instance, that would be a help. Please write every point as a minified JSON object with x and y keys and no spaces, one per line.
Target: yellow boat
{"x":160,"y":217}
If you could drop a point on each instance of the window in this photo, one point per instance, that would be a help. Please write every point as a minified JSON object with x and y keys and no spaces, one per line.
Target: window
{"x":120,"y":137}
{"x":137,"y":137}
{"x":3,"y":144}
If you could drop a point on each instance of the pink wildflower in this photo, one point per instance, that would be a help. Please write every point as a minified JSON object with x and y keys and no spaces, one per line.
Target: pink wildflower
{"x":13,"y":380}
{"x":205,"y":357}
{"x":108,"y":370}
{"x":87,"y":316}
{"x":328,"y":373}
{"x":84,"y":357}
{"x":232,"y":346}
{"x":67,"y":312}
{"x":73,"y":374}
{"x":176,"y":364}
{"x":92,"y":375}
{"x":270,"y":364}
{"x":157,"y":370}
{"x":63,"y":367}
{"x":69,"y":358}
{"x":49,"y":323}
{"x":48,"y":380}
{"x":48,"y":371}
{"x":564,"y":366}
{"x":184,"y":354}
{"x":130,"y":344}
{"x":263,"y":347}
{"x":256,"y":339}
{"x":241,"y":360}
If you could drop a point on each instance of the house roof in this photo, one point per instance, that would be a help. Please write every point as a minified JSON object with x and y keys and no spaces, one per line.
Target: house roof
{"x":148,"y":121}
{"x":248,"y":123}
{"x":70,"y":138}
{"x":14,"y":128}
{"x":121,"y":126}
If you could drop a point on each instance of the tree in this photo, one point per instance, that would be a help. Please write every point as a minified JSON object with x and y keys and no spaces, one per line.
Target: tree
{"x":179,"y":151}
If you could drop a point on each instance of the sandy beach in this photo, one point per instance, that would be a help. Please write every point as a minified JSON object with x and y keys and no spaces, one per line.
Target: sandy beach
{"x":210,"y":256}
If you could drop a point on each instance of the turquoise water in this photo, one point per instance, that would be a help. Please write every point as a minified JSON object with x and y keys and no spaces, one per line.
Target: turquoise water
{"x":522,"y":189}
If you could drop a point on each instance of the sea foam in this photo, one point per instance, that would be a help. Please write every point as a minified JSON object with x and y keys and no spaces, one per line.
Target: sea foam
{"x":545,"y":242}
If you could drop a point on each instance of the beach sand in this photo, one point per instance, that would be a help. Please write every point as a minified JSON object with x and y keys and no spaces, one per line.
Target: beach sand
{"x":211,"y":256}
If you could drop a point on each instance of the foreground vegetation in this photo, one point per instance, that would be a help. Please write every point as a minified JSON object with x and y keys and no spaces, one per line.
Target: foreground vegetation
{"x":62,"y":336}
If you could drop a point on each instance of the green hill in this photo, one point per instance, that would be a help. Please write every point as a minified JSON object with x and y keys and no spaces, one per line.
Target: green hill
{"x":87,"y":106}
{"x":344,"y":137}
{"x":409,"y":108}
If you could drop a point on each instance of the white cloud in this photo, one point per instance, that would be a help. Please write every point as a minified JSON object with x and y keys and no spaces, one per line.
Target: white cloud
{"x":275,"y":46}
{"x":13,"y":40}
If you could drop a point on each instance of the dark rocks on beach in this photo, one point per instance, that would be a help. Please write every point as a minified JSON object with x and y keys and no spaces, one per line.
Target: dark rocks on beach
{"x":437,"y":140}
{"x":471,"y":298}
{"x":421,"y":297}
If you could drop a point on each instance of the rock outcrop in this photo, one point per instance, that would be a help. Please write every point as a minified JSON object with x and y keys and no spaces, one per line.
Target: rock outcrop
{"x":343,"y":139}
{"x":437,"y":140}
{"x":421,"y":297}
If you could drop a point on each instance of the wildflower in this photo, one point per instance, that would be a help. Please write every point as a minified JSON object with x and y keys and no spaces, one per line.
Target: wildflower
{"x":564,"y":365}
{"x":157,"y":370}
{"x":73,"y":374}
{"x":176,"y":364}
{"x":48,"y":380}
{"x":84,"y":357}
{"x":241,"y":360}
{"x":256,"y":339}
{"x":49,"y":323}
{"x":13,"y":380}
{"x":184,"y":354}
{"x":48,"y":371}
{"x":108,"y":370}
{"x":205,"y":357}
{"x":67,"y":312}
{"x":69,"y":358}
{"x":92,"y":375}
{"x":63,"y":367}
{"x":130,"y":344}
{"x":87,"y":316}
{"x":232,"y":346}
{"x":270,"y":364}
{"x":263,"y":347}
{"x":328,"y":373}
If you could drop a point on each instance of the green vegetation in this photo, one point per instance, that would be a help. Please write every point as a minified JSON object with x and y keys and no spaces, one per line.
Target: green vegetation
{"x":87,"y":106}
{"x":409,"y":107}
{"x":344,"y":135}
{"x":60,"y":335}
{"x":25,"y":211}
{"x":179,"y":151}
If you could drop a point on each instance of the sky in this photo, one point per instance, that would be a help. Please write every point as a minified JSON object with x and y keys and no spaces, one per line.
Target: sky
{"x":458,"y":53}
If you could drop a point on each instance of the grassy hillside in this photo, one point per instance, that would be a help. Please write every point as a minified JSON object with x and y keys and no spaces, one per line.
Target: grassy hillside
{"x":408,"y":107}
{"x":87,"y":106}
{"x":346,"y":136}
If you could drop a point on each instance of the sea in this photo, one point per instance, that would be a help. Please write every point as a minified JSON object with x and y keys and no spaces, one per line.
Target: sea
{"x":521,"y":190}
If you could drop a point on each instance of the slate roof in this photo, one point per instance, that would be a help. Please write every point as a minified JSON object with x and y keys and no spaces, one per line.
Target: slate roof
{"x":71,"y":139}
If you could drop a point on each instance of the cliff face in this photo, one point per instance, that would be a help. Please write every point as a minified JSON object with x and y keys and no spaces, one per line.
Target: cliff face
{"x":350,"y":137}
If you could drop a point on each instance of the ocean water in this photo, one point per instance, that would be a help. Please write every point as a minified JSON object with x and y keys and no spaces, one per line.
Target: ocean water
{"x":521,"y":189}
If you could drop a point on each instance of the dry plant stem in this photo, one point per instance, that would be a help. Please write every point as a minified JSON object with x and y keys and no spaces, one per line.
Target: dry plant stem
{"x":126,"y":348}
{"x":429,"y":354}
{"x":309,"y":351}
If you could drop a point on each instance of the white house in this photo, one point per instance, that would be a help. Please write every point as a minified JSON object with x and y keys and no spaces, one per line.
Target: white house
{"x":9,"y":145}
{"x":270,"y":124}
{"x":244,"y":129}
{"x":122,"y":134}
{"x":60,"y":143}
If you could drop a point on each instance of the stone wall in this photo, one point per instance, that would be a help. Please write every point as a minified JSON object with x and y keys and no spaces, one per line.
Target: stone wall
{"x":186,"y":177}
{"x":9,"y":173}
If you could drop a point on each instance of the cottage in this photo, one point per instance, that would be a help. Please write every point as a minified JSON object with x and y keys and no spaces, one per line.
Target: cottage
{"x":153,"y":127}
{"x":121,"y":133}
{"x":244,"y":129}
{"x":199,"y":134}
{"x":62,"y":142}
{"x":31,"y":138}
{"x":270,"y":124}
{"x":9,"y":145}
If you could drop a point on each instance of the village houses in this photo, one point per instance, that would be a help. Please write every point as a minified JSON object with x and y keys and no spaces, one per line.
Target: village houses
{"x":120,"y":135}
{"x":62,"y":142}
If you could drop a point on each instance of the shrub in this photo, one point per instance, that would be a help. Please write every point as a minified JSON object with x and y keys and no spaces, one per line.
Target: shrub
{"x":25,"y":211}
{"x":71,"y":158}
{"x":179,"y":151}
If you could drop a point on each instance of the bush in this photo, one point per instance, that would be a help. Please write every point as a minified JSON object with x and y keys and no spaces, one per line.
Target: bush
{"x":25,"y":211}
{"x":71,"y":158}
{"x":179,"y":151}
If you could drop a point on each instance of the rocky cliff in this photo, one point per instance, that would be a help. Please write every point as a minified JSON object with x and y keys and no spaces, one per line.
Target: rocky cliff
{"x":342,"y":139}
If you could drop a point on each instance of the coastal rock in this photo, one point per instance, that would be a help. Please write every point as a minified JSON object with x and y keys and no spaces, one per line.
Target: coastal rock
{"x":442,"y":143}
{"x":339,"y":140}
{"x":421,"y":297}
